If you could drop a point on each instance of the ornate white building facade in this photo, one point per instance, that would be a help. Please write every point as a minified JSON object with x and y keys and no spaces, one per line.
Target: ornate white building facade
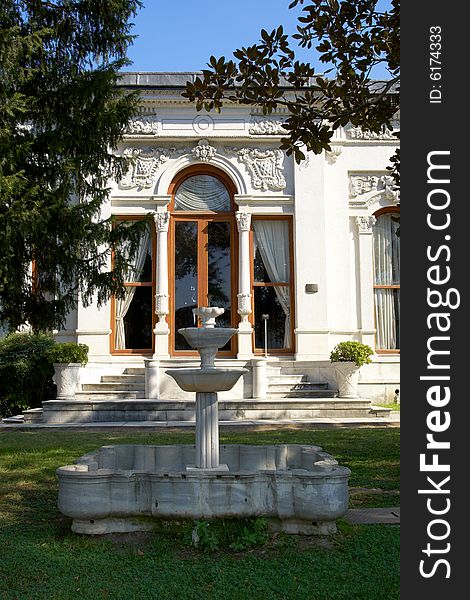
{"x":300,"y":256}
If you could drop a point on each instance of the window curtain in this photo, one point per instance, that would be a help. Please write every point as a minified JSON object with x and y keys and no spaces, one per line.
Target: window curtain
{"x":387,"y":272}
{"x":202,"y":192}
{"x":133,"y":275}
{"x":272,"y":240}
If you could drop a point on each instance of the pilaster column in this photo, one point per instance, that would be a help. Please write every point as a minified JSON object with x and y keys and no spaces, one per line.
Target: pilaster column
{"x":245,"y":349}
{"x":366,"y":279}
{"x":162,"y":221}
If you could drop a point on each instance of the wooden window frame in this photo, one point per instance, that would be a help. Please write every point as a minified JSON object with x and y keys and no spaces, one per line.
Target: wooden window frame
{"x":379,"y":351}
{"x":290,"y":221}
{"x":202,"y":218}
{"x":152,"y":284}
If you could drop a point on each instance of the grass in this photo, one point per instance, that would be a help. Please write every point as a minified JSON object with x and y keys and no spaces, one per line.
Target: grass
{"x":42,"y":559}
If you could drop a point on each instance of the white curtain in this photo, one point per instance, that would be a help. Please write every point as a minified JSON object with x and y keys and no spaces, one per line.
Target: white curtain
{"x":272,"y":240}
{"x":202,"y":192}
{"x":133,"y":275}
{"x":387,"y":272}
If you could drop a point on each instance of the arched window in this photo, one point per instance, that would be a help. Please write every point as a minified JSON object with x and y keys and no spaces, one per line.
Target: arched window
{"x":387,"y":279}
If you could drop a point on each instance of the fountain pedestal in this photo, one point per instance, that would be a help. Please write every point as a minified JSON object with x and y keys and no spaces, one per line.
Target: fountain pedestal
{"x":207,"y":431}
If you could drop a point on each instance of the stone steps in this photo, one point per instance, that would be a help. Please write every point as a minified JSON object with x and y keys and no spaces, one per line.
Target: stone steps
{"x":116,"y":386}
{"x":107,"y":410}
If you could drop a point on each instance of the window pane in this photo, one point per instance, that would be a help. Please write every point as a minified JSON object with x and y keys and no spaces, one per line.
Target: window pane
{"x":134,"y":319}
{"x":219,"y":272}
{"x":185,"y":278}
{"x":275,"y":302}
{"x":387,"y":319}
{"x":387,"y":249}
{"x":271,"y":251}
{"x":142,"y":261}
{"x":202,"y":192}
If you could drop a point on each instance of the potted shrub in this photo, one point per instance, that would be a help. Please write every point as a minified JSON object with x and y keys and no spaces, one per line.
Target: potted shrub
{"x":347,"y":358}
{"x":67,"y":358}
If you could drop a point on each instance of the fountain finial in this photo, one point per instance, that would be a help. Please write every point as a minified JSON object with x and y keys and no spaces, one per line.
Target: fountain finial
{"x":208,"y":315}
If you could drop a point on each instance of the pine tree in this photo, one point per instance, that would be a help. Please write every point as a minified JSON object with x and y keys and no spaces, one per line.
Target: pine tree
{"x":61,"y":114}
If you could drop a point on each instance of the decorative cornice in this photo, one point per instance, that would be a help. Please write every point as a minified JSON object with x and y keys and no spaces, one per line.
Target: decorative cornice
{"x":357,"y":133}
{"x":365,"y":189}
{"x":267,"y":127}
{"x":264,"y":166}
{"x":143,"y":125}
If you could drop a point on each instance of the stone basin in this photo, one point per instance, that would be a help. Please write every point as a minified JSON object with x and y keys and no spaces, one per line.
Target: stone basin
{"x":206,"y":381}
{"x":124,"y":488}
{"x":205,"y":337}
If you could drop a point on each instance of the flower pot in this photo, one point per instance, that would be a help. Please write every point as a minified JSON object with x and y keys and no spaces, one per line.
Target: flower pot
{"x":347,"y":377}
{"x":66,"y":378}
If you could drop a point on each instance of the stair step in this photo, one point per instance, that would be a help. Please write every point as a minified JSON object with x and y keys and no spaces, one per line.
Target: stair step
{"x":302,"y":393}
{"x":134,"y":371}
{"x":122,"y":379}
{"x":109,"y":395}
{"x":379,"y":411}
{"x":111,"y":387}
{"x":294,"y":378}
{"x":33,"y":415}
{"x":13,"y":420}
{"x":286,"y":386}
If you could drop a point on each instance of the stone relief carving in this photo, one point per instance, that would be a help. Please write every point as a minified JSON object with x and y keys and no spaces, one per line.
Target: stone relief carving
{"x":204,"y":151}
{"x":243,"y":220}
{"x":365,"y":224}
{"x":266,"y":127}
{"x":162,"y":220}
{"x":142,"y":126}
{"x":264,"y":166}
{"x":366,"y":188}
{"x":356,"y":133}
{"x":332,"y":155}
{"x":145,"y":163}
{"x":244,"y":306}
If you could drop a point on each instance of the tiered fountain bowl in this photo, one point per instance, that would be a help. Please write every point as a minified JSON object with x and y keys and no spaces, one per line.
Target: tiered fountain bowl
{"x":299,"y":489}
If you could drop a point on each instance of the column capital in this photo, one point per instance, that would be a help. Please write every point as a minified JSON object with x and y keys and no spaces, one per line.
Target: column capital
{"x":162,"y":221}
{"x":365,"y":224}
{"x":243,"y":220}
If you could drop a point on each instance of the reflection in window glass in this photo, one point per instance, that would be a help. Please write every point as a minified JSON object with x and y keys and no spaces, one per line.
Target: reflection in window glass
{"x":186,"y":283}
{"x":267,"y":303}
{"x":137,"y":321}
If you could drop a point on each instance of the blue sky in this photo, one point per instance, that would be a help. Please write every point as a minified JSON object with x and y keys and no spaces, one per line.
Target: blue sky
{"x":181,"y":35}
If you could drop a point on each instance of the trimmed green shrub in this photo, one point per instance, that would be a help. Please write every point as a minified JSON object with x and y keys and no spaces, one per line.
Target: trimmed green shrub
{"x":25,"y":373}
{"x":352,"y":352}
{"x":68,"y":352}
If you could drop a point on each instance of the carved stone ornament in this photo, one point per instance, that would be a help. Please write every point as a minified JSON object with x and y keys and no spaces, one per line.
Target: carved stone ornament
{"x":243,"y":221}
{"x":161,"y":305}
{"x":204,"y":151}
{"x":145,"y":163}
{"x":142,"y":126}
{"x":356,"y":133}
{"x":162,"y":221}
{"x":365,"y":224}
{"x":266,"y":127}
{"x":366,"y":188}
{"x":244,"y":306}
{"x":264,"y":166}
{"x":332,"y":155}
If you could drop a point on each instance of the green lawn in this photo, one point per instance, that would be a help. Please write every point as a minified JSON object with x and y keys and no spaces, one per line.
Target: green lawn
{"x":41,"y":559}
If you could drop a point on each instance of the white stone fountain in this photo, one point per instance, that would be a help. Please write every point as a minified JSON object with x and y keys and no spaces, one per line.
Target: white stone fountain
{"x":206,"y":382}
{"x":299,"y":489}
